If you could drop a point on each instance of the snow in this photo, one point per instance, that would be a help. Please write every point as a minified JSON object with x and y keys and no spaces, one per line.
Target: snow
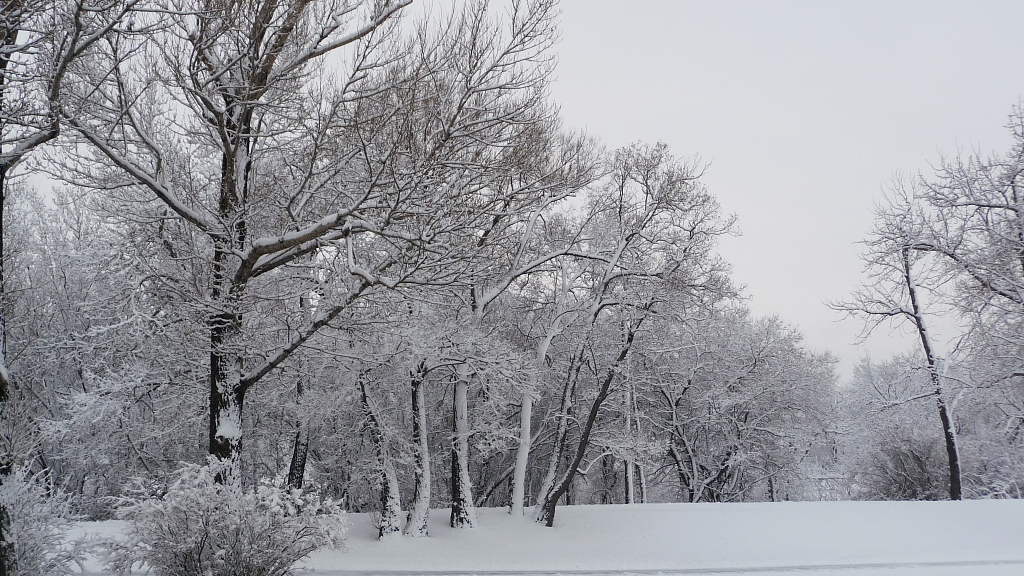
{"x":980,"y":538}
{"x":229,"y":425}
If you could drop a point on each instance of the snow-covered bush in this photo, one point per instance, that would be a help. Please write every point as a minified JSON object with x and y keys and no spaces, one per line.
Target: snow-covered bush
{"x":40,"y":515}
{"x":199,"y":527}
{"x":911,"y":468}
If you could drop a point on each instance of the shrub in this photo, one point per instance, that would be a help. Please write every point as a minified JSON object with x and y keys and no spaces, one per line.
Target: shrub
{"x":199,"y":527}
{"x":40,"y":518}
{"x":913,"y":469}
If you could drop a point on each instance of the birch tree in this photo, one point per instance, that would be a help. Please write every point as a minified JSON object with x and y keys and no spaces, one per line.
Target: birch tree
{"x":552,"y":305}
{"x":543,"y":168}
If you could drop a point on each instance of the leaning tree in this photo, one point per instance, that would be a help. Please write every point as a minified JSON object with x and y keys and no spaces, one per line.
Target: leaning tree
{"x":899,"y":280}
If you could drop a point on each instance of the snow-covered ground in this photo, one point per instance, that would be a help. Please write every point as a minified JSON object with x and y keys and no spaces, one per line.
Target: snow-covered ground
{"x":976,"y":538}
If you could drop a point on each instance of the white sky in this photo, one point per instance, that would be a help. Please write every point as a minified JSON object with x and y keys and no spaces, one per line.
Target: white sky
{"x":805,"y":110}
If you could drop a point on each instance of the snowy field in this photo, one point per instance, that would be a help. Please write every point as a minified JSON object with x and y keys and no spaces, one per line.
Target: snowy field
{"x":983,"y":538}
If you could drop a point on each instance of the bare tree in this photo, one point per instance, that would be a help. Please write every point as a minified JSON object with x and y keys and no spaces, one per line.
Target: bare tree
{"x":221,"y":82}
{"x":543,"y":168}
{"x":739,"y":400}
{"x":659,"y":226}
{"x":972,"y":212}
{"x":230,"y":129}
{"x":40,"y":40}
{"x":897,"y":275}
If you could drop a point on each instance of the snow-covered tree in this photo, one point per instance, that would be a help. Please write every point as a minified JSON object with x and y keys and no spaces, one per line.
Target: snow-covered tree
{"x":899,"y":279}
{"x":653,"y":231}
{"x":40,"y":41}
{"x":233,"y":140}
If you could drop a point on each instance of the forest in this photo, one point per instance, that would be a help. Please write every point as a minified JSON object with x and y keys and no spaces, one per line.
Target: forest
{"x":267,"y":262}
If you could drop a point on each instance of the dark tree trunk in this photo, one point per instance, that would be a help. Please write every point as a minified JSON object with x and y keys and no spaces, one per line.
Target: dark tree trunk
{"x":952,"y":452}
{"x":227,"y":291}
{"x":7,"y":566}
{"x":5,"y":384}
{"x":226,"y":396}
{"x":562,"y":431}
{"x":6,"y":460}
{"x":642,"y":482}
{"x":418,"y":521}
{"x":300,"y":452}
{"x":390,"y":499}
{"x":948,"y":431}
{"x":627,"y":485}
{"x":300,"y":446}
{"x":609,"y":478}
{"x":551,"y":499}
{"x":685,"y":488}
{"x":225,"y":324}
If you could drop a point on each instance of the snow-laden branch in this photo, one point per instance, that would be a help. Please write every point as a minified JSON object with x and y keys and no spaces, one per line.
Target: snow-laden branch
{"x":156,"y":186}
{"x":304,"y":334}
{"x":966,"y":266}
{"x":320,"y":50}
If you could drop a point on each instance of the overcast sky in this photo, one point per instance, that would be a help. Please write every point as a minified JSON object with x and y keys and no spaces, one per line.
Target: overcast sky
{"x":805,"y":110}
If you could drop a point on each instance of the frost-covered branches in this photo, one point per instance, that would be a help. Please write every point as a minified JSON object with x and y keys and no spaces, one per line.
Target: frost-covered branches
{"x":950,"y":244}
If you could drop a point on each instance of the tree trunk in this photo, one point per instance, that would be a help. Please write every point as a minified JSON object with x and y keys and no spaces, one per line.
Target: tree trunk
{"x":561,"y":432}
{"x":390,"y":502}
{"x":948,"y":430}
{"x":525,"y":428}
{"x":630,"y":490}
{"x":226,"y":397}
{"x":225,"y":325}
{"x":7,"y":565}
{"x":390,"y":522}
{"x":300,"y":452}
{"x":6,"y":460}
{"x":627,"y":464}
{"x":5,"y":376}
{"x":300,"y":448}
{"x":609,"y":479}
{"x":952,"y":449}
{"x":418,"y":522}
{"x":522,"y":455}
{"x":8,"y":36}
{"x":227,"y":294}
{"x":643,"y":483}
{"x":463,"y":510}
{"x":547,"y":515}
{"x":684,"y":484}
{"x":635,"y":478}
